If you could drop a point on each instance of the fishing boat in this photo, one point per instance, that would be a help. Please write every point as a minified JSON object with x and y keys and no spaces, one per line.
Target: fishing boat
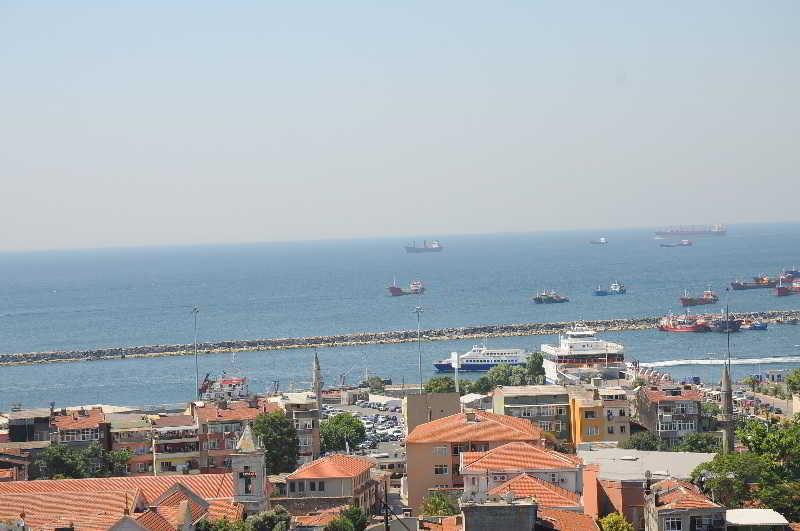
{"x":580,"y":351}
{"x":682,"y":323}
{"x":549,"y":297}
{"x":723,"y":323}
{"x":709,"y":297}
{"x":481,"y":359}
{"x":752,"y":324}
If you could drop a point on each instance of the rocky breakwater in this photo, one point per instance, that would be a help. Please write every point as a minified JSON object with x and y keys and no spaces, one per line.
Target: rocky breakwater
{"x":360,"y":338}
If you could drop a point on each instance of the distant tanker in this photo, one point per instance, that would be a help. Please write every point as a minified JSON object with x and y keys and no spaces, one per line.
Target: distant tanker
{"x":694,"y":230}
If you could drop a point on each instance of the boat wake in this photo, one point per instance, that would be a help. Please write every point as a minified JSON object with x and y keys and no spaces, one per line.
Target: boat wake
{"x":734,"y":361}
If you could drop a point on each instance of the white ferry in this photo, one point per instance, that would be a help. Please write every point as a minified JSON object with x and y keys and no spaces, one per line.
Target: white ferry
{"x":580,"y":348}
{"x":481,"y":358}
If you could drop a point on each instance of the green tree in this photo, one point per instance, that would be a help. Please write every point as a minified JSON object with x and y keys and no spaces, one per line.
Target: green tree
{"x":499,"y":374}
{"x":638,"y":382}
{"x":268,"y":520}
{"x":783,"y":497}
{"x":750,"y":382}
{"x":534,"y":368}
{"x":643,"y":441}
{"x":481,"y":386}
{"x":339,"y":523}
{"x":699,"y":442}
{"x":778,"y":442}
{"x":375,"y":384}
{"x":519,"y":376}
{"x":278,"y":438}
{"x":437,"y":504}
{"x":62,"y":461}
{"x":728,"y":477}
{"x":357,"y":517}
{"x":792,"y":381}
{"x":222,"y":524}
{"x":710,"y":409}
{"x":340,"y":429}
{"x":614,"y":522}
{"x":440,"y":384}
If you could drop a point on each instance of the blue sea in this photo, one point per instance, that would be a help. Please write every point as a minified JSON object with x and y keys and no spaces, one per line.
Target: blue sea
{"x":123,"y":297}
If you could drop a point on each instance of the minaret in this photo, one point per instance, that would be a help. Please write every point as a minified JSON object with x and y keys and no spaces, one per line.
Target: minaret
{"x":726,"y":395}
{"x":316,"y":383}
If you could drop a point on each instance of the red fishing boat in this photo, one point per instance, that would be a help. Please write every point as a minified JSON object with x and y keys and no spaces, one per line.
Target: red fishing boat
{"x":682,"y":323}
{"x":709,"y":297}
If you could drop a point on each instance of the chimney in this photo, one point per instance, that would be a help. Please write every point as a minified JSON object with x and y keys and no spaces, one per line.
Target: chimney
{"x":469,"y":416}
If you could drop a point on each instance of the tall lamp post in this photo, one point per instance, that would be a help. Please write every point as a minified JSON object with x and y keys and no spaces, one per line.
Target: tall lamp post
{"x":418,"y":310}
{"x":195,"y":311}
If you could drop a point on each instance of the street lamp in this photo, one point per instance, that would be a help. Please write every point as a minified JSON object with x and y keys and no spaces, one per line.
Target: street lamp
{"x":195,"y":311}
{"x":418,"y":310}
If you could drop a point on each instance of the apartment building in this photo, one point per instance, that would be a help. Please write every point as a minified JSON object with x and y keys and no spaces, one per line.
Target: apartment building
{"x":670,"y":412}
{"x":302,"y":408}
{"x":587,"y":423}
{"x":133,"y":432}
{"x":220,"y":424}
{"x":80,"y":427}
{"x":331,"y":481}
{"x":176,"y":445}
{"x":545,"y":406}
{"x":433,"y":449}
{"x":675,"y":505}
{"x":616,"y":412}
{"x":421,"y":408}
{"x":29,"y":425}
{"x":552,"y":478}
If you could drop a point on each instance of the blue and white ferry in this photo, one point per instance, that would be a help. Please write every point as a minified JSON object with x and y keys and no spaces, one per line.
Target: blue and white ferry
{"x":481,"y":359}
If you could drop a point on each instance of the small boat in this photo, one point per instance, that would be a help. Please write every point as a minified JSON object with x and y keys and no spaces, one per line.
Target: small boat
{"x":682,"y":243}
{"x":600,"y":241}
{"x":414,"y":288}
{"x":709,"y":297}
{"x":682,"y":323}
{"x":617,"y":288}
{"x":549,"y":297}
{"x":762,"y":281}
{"x":750,"y":324}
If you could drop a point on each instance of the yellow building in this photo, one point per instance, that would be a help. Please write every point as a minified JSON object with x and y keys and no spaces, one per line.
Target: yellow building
{"x":586,"y":419}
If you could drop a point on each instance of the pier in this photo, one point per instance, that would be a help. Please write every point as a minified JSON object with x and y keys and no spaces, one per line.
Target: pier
{"x":362,"y":338}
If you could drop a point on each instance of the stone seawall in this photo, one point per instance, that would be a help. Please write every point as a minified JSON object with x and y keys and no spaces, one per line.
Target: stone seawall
{"x":363,"y":338}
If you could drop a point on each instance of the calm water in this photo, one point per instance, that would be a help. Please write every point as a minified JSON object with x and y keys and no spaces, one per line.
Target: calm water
{"x":76,"y":300}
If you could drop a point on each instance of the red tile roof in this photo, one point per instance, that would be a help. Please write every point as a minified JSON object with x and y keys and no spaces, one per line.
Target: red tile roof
{"x":77,"y":420}
{"x":332,"y":466}
{"x":677,"y":494}
{"x":567,"y":520}
{"x":319,"y":519}
{"x":234,"y":411}
{"x":42,"y":508}
{"x":221,"y":508}
{"x":546,"y":494}
{"x":479,"y":426}
{"x":662,"y":396}
{"x":517,"y":456}
{"x":154,"y":521}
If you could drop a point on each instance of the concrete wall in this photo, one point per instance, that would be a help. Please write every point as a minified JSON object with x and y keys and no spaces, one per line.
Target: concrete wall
{"x":419,"y":409}
{"x":420,"y":463}
{"x":491,"y":517}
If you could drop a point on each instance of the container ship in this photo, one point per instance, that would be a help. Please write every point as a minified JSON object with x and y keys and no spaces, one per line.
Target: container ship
{"x":481,"y":359}
{"x":549,"y":297}
{"x":427,"y":247}
{"x":694,"y":230}
{"x":414,"y":288}
{"x":709,"y":297}
{"x":581,"y":355}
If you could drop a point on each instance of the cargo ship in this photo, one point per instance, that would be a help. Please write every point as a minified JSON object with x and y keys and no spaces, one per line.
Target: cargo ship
{"x":414,"y":288}
{"x":427,"y":247}
{"x":549,"y":297}
{"x":709,"y":297}
{"x":782,"y":290}
{"x":616,"y":288}
{"x":758,"y":283}
{"x":682,"y":323}
{"x":694,"y":230}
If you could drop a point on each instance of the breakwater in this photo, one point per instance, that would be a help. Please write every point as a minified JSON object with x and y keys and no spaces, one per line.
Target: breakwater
{"x":361,"y":338}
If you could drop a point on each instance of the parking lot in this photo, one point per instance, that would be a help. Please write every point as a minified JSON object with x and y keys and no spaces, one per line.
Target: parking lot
{"x":382,"y":424}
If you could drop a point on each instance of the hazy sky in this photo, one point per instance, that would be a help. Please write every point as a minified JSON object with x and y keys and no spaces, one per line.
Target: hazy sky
{"x":137,"y":123}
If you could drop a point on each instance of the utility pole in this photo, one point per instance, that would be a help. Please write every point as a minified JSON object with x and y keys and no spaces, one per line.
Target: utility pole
{"x":195,"y":311}
{"x":418,"y":310}
{"x":385,"y":506}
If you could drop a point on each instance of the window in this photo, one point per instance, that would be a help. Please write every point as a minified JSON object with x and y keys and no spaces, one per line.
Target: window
{"x":560,"y":411}
{"x":498,"y":477}
{"x":592,"y":430}
{"x":440,"y":469}
{"x":548,"y":411}
{"x":553,"y":477}
{"x":458,"y":448}
{"x":312,"y":485}
{"x":230,"y":444}
{"x":621,"y":412}
{"x":611,"y":430}
{"x":672,"y":523}
{"x":141,"y":467}
{"x":321,"y":486}
{"x":301,"y":486}
{"x":440,"y":451}
{"x":212,"y":462}
{"x":213,"y":444}
{"x":622,"y":429}
{"x":558,"y":426}
{"x":686,"y":425}
{"x":291,"y":486}
{"x":667,"y":426}
{"x":588,"y":414}
{"x":544,"y":425}
{"x":474,"y":481}
{"x":681,"y":408}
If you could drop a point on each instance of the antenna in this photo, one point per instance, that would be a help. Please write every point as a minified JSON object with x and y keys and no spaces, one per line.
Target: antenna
{"x":196,"y":311}
{"x":419,"y":310}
